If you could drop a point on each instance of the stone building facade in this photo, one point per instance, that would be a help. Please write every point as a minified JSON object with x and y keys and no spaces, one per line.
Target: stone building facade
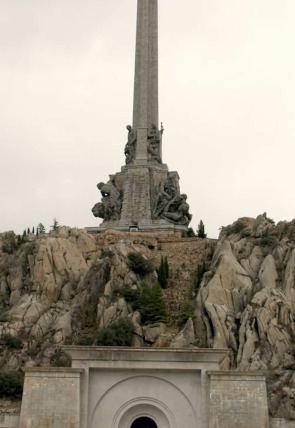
{"x":148,"y":388}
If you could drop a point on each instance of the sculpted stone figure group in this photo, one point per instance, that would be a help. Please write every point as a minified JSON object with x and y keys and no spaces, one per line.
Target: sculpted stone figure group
{"x":111,"y":203}
{"x":170,"y":204}
{"x":167,"y":202}
{"x":154,"y":137}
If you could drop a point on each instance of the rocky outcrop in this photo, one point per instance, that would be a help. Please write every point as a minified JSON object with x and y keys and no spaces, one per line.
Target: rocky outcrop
{"x":67,"y":286}
{"x":246,"y":300}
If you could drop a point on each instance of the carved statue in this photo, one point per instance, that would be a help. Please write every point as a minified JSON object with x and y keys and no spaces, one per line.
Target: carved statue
{"x":168,"y":189}
{"x":129,"y":150}
{"x":110,"y":206}
{"x":154,"y":141}
{"x":177,"y":210}
{"x":98,"y":210}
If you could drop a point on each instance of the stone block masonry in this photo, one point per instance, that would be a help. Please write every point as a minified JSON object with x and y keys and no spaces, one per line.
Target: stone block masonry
{"x":51,"y":398}
{"x":238,"y":400}
{"x":9,"y":421}
{"x":136,"y":204}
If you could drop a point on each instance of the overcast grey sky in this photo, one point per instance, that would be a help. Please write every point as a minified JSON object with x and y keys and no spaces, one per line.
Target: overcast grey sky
{"x":227,"y":94}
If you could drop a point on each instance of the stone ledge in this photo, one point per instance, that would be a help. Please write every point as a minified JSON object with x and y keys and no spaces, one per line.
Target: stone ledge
{"x":231,"y":374}
{"x":53,"y":370}
{"x":111,"y":354}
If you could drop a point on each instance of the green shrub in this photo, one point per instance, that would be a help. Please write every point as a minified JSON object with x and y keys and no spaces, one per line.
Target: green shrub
{"x":60,"y":359}
{"x":11,"y":384}
{"x":12,"y":342}
{"x":130,"y":294}
{"x":84,"y":340}
{"x":139,"y":264}
{"x":237,"y":227}
{"x":245,"y":233}
{"x":186,"y":312}
{"x":270,"y":220}
{"x":268,"y":241}
{"x":119,"y":333}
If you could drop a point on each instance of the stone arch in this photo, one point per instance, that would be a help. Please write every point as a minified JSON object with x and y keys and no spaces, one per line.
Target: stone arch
{"x":142,"y":396}
{"x":144,"y":408}
{"x":144,"y":422}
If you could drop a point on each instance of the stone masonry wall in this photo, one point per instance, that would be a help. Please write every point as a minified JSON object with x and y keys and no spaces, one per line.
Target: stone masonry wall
{"x":51,"y":398}
{"x":238,"y":400}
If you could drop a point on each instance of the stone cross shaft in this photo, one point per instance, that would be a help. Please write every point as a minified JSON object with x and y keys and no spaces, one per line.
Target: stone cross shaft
{"x":145,"y":105}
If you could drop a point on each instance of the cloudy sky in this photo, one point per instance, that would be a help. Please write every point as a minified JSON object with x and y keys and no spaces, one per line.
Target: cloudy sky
{"x":227,"y":92}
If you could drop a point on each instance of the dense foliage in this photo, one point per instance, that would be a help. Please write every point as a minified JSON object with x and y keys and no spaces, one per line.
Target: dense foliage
{"x":119,"y":333}
{"x":11,"y":384}
{"x":12,"y":342}
{"x":151,"y":305}
{"x":186,"y":312}
{"x":139,"y":264}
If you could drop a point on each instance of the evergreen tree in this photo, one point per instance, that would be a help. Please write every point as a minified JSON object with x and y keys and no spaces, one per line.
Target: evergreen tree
{"x":198,"y":275}
{"x":201,"y":230}
{"x":41,"y":228}
{"x":33,"y":230}
{"x":151,"y":304}
{"x":190,"y":233}
{"x":166,"y":267}
{"x":162,"y":273}
{"x":55,"y":225}
{"x":28,"y":231}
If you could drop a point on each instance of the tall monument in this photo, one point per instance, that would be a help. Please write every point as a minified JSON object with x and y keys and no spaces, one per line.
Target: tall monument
{"x":144,"y":195}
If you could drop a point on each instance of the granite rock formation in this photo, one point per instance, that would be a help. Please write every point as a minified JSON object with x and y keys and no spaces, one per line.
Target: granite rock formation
{"x":68,"y":284}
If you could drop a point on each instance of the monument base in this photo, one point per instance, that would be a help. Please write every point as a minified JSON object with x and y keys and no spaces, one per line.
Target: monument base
{"x":142,"y":197}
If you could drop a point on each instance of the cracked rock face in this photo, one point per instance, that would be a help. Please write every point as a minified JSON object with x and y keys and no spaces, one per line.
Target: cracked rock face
{"x":246,"y":301}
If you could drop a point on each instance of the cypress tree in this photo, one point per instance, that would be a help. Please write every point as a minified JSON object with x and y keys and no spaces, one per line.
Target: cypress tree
{"x":201,"y":230}
{"x":162,"y":273}
{"x":166,"y":267}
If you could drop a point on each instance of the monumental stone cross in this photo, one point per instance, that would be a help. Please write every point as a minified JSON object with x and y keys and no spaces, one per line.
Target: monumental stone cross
{"x":145,"y":104}
{"x":144,"y":195}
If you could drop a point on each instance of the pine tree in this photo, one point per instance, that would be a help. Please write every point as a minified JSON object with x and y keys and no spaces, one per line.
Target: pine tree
{"x":55,"y":225}
{"x":151,"y":304}
{"x":40,"y":229}
{"x":33,"y":230}
{"x":201,"y":230}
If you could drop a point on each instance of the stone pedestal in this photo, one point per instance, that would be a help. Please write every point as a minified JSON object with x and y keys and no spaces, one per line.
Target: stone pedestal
{"x":51,"y":398}
{"x":238,"y":400}
{"x":141,"y":190}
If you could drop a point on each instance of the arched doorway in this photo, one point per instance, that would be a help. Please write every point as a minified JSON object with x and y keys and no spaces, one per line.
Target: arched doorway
{"x":144,"y":422}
